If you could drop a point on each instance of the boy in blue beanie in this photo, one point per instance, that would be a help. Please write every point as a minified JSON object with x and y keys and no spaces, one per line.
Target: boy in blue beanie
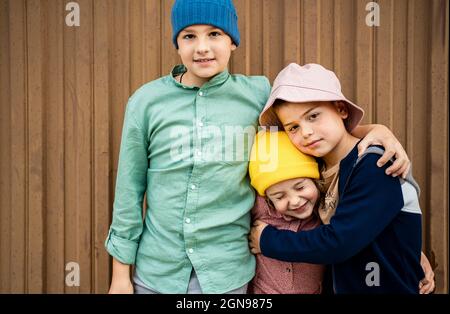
{"x":194,"y":236}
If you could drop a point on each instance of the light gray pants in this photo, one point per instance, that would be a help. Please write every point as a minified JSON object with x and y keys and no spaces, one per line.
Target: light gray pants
{"x":193,"y":288}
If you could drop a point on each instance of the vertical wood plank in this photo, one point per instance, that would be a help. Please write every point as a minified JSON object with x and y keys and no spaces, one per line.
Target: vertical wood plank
{"x":5,"y":149}
{"x":136,"y":46}
{"x":438,"y":185}
{"x":399,"y":66}
{"x":383,"y":64}
{"x":84,"y":150}
{"x":240,"y":58}
{"x":71,"y":143}
{"x":345,"y":46}
{"x":102,"y":201}
{"x":255,"y":38}
{"x":119,"y":74}
{"x":310,"y":31}
{"x":78,"y":143}
{"x":19,"y":160}
{"x":273,"y":32}
{"x":326,"y":33}
{"x":418,"y":112}
{"x":152,"y":39}
{"x":291,"y":37}
{"x":36,"y":145}
{"x":169,"y":55}
{"x":54,"y":132}
{"x":363,"y":78}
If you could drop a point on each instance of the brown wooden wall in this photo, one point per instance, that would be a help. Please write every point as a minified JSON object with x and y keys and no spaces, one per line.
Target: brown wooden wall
{"x":63,"y":92}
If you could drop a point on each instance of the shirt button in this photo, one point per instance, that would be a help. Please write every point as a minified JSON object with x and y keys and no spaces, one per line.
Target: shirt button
{"x":191,"y":251}
{"x":200,"y":94}
{"x":193,"y":186}
{"x":199,"y":153}
{"x":200,"y":124}
{"x":188,"y":220}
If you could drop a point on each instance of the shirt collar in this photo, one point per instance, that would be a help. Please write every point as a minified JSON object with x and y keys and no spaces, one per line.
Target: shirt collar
{"x":215,"y":81}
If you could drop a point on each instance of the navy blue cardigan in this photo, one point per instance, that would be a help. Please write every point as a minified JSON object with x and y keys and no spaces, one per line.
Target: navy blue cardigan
{"x":374,"y":239}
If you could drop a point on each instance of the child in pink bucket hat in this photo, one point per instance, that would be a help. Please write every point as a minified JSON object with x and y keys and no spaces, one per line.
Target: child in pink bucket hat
{"x":308,"y":83}
{"x":311,"y":83}
{"x":370,"y":218}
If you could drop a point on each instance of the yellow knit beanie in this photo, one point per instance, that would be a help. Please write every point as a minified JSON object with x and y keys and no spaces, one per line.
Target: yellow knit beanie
{"x":275,"y":159}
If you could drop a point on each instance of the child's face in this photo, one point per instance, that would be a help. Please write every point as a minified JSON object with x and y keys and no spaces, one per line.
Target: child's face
{"x":315,"y":128}
{"x":205,"y":51}
{"x":294,"y":198}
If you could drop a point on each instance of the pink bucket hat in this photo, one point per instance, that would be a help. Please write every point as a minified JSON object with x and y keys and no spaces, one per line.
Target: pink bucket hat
{"x":308,"y":83}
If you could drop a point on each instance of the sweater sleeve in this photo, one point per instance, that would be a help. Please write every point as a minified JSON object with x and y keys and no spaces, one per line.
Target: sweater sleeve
{"x":127,"y":224}
{"x":370,"y":201}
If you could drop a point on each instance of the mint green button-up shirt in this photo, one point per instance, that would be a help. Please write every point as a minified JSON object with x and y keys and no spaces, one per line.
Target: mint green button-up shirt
{"x":187,"y":149}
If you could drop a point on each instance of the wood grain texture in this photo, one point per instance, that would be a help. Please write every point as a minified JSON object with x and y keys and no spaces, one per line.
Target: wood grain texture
{"x":63,"y":92}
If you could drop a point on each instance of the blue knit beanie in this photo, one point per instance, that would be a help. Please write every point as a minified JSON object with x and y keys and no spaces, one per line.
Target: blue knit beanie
{"x":219,"y":13}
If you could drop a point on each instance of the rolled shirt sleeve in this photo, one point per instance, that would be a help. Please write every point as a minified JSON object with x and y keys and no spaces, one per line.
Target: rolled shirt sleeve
{"x":126,"y":228}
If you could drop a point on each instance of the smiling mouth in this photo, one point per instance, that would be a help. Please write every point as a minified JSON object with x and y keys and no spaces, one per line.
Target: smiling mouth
{"x":300,"y":208}
{"x":204,"y":60}
{"x":312,"y":143}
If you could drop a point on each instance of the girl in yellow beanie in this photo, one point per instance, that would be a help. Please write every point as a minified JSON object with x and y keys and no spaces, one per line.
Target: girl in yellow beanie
{"x":288,"y":182}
